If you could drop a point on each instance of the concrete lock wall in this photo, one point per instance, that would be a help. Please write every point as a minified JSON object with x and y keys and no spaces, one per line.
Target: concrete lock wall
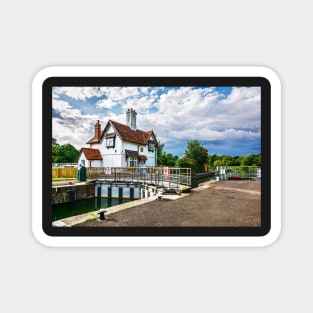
{"x":61,"y":194}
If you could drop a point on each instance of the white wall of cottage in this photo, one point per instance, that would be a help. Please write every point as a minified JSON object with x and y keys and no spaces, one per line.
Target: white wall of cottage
{"x":89,"y":163}
{"x":115,"y":157}
{"x":151,"y":161}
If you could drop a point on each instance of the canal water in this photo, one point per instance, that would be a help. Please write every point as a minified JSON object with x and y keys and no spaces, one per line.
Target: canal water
{"x":77,"y":207}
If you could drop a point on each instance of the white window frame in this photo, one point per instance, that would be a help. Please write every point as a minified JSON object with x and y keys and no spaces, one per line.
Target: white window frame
{"x":151,"y":147}
{"x":133,"y":161}
{"x":110,"y":142}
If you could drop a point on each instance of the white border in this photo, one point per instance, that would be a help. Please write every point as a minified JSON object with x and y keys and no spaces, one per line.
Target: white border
{"x":153,"y":71}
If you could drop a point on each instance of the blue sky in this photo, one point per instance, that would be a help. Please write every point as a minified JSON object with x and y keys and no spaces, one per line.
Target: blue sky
{"x":226,"y":120}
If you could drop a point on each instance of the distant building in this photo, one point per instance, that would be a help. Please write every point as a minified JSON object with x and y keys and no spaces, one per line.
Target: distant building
{"x":120,"y":145}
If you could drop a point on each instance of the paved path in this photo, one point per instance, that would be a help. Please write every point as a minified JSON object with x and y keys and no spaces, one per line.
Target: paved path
{"x":224,"y":203}
{"x":240,"y":190}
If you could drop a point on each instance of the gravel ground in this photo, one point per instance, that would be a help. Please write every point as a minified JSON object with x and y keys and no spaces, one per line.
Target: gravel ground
{"x":223,"y":203}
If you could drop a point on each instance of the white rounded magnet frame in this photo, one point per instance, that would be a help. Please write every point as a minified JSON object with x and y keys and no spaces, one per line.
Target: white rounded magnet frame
{"x":71,"y":238}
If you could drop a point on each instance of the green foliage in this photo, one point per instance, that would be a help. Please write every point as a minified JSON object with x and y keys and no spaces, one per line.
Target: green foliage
{"x":184,"y":162}
{"x":165,"y":159}
{"x":197,"y":155}
{"x":251,"y":160}
{"x":160,"y":153}
{"x":227,"y":160}
{"x":55,"y":150}
{"x":63,"y":154}
{"x":197,"y":158}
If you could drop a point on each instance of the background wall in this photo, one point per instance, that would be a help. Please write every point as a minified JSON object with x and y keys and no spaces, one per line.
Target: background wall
{"x":37,"y":34}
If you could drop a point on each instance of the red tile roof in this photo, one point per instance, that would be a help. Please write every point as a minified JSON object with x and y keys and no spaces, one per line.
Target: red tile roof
{"x":131,"y":154}
{"x":135,"y":154}
{"x":142,"y":157}
{"x":91,"y":154}
{"x":95,"y":140}
{"x":125,"y":133}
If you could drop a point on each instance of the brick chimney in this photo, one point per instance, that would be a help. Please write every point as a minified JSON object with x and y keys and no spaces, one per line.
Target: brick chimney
{"x":131,"y":118}
{"x":97,"y":130}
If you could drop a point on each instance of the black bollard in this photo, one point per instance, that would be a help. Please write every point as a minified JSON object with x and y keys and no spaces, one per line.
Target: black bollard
{"x":101,"y":213}
{"x":160,"y":194}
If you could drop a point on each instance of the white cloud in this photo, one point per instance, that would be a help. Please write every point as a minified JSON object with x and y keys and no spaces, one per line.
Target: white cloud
{"x":137,"y":98}
{"x":187,"y":113}
{"x":71,"y":126}
{"x":106,"y":103}
{"x":180,"y":114}
{"x":79,"y":93}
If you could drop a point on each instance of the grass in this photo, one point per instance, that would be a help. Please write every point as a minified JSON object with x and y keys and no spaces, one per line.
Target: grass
{"x":63,"y":178}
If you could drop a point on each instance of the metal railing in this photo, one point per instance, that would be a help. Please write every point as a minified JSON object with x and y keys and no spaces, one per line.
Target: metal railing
{"x":251,"y":173}
{"x":171,"y":177}
{"x":64,"y":165}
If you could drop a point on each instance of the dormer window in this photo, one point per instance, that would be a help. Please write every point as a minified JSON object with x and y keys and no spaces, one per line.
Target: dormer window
{"x":110,"y":143}
{"x":151,"y":145}
{"x":110,"y":140}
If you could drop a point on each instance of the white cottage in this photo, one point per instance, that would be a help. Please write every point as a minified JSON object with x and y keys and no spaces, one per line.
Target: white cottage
{"x":120,"y":145}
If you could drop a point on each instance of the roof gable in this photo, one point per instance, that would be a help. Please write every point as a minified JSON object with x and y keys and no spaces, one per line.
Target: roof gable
{"x":127,"y":134}
{"x":91,"y":154}
{"x":94,"y":140}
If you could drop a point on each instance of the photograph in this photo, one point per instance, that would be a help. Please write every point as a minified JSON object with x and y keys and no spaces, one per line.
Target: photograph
{"x":157,"y":159}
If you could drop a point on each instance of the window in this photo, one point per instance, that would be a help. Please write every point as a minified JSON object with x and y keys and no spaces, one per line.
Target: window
{"x":110,"y":142}
{"x":141,"y":149}
{"x":151,"y":146}
{"x":133,"y":162}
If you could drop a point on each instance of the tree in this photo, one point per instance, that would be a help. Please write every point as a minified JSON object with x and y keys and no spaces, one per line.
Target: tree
{"x":163,"y":158}
{"x":68,"y":154}
{"x":160,"y":153}
{"x":257,"y":160}
{"x":63,"y":154}
{"x":211,"y":160}
{"x":184,"y":162}
{"x":197,"y":154}
{"x":236,"y":161}
{"x":55,"y":150}
{"x":218,"y":162}
{"x":247,"y":160}
{"x":227,"y":160}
